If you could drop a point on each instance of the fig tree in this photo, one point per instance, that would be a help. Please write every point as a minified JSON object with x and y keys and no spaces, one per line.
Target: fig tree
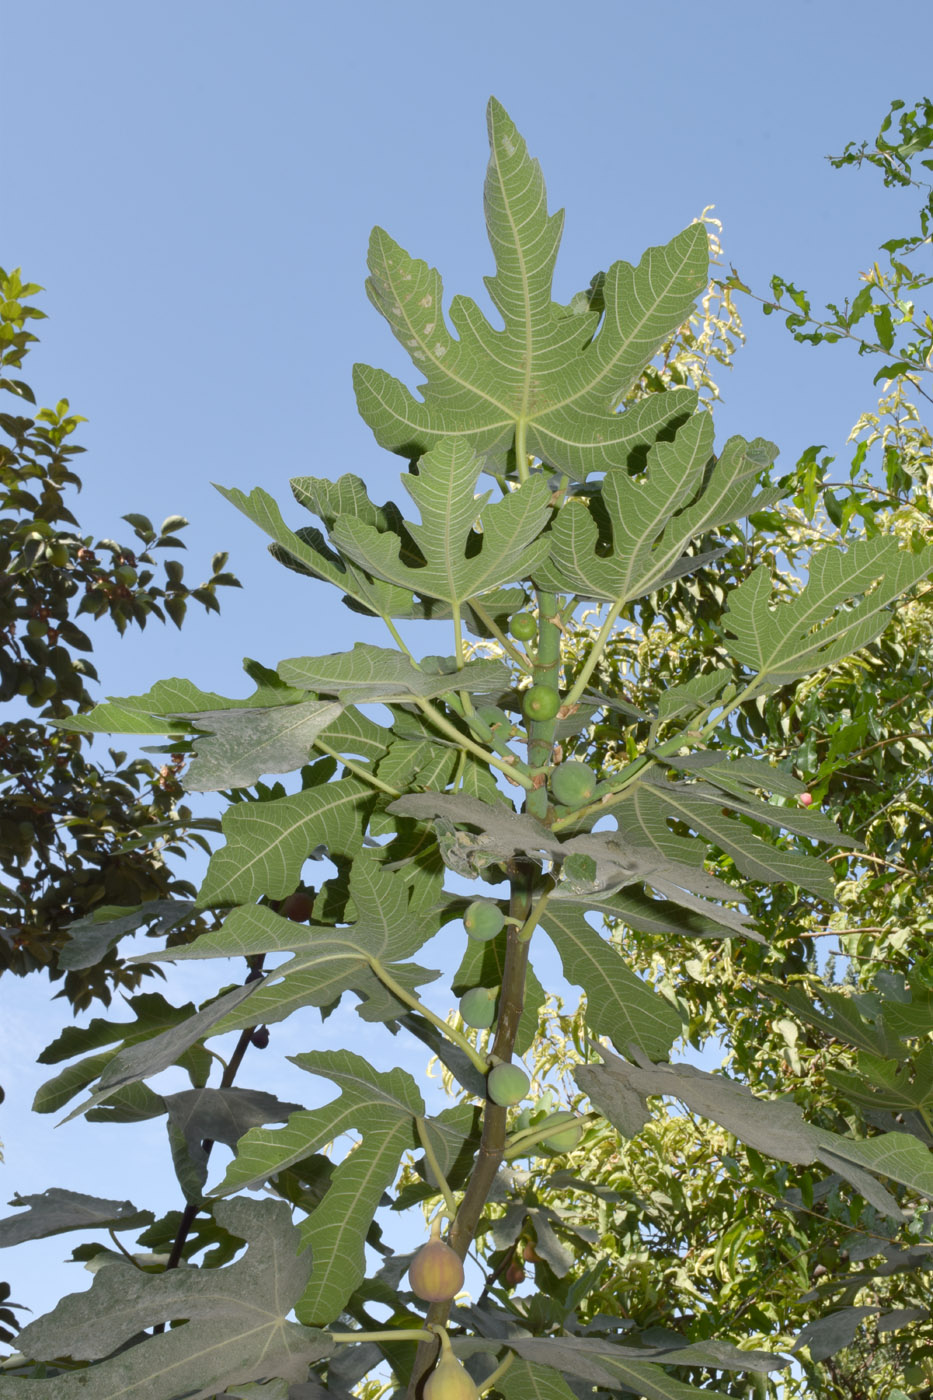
{"x":436,"y":1272}
{"x":573,"y":783}
{"x":507,"y":1084}
{"x":483,"y":920}
{"x":478,"y":1007}
{"x":523,"y":627}
{"x":541,"y":702}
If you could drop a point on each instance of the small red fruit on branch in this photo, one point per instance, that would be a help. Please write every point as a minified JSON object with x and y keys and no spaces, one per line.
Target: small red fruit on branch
{"x":297,"y":906}
{"x":805,"y":799}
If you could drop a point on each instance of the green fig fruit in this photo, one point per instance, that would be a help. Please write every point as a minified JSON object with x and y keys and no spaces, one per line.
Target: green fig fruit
{"x":507,"y":1084}
{"x":523,"y":627}
{"x":540,"y":702}
{"x":478,"y":1007}
{"x":573,"y":783}
{"x":483,"y":920}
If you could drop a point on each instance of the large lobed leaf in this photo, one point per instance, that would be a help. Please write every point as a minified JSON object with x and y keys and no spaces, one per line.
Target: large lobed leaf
{"x":459,"y":562}
{"x":267,"y":843}
{"x":651,"y":518}
{"x":326,"y":961}
{"x":57,"y":1210}
{"x":237,"y":1327}
{"x":553,"y":372}
{"x":842,"y":608}
{"x":382,"y":1108}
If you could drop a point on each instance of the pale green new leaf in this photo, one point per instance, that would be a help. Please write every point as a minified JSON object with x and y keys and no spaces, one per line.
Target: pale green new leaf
{"x":459,"y":562}
{"x":835,"y":614}
{"x":236,"y":1328}
{"x":368,"y":674}
{"x":619,"y":1004}
{"x":268,"y":842}
{"x":553,"y":373}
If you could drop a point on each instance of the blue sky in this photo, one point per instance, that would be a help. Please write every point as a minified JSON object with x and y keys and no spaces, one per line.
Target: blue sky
{"x":194,"y":185}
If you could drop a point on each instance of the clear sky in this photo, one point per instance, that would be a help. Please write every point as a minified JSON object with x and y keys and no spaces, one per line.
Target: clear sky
{"x":194,"y":182}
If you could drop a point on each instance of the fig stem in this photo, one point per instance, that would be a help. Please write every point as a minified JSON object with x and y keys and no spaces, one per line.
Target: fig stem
{"x":531,"y":923}
{"x":519,"y":1143}
{"x":546,"y":672}
{"x":500,"y":636}
{"x":497,"y":1374}
{"x":397,"y":990}
{"x":464,"y":741}
{"x":409,"y":1334}
{"x":434,"y":1164}
{"x":522,"y":876}
{"x":360,"y":772}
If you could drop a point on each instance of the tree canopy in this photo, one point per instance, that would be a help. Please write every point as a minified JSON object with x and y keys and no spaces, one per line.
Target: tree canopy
{"x":681,"y":730}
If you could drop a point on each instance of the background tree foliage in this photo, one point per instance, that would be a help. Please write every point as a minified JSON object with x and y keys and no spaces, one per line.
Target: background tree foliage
{"x":78,"y":832}
{"x":647,"y":1252}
